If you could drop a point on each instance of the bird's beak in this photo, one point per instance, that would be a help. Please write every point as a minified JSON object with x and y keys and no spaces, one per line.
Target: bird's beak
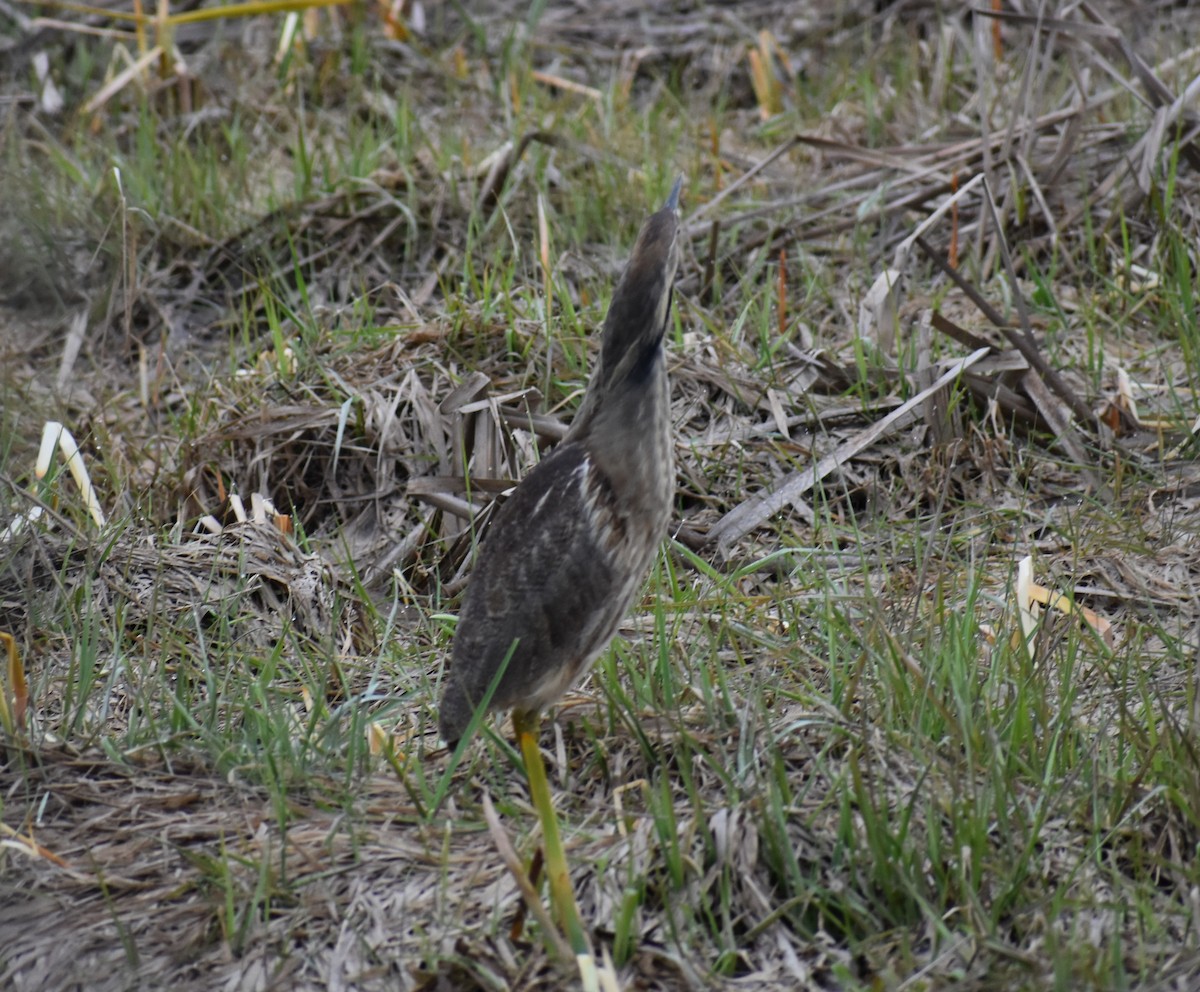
{"x":673,"y":200}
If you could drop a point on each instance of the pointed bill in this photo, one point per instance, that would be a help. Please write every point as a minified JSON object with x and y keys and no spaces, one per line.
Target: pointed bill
{"x":673,"y":200}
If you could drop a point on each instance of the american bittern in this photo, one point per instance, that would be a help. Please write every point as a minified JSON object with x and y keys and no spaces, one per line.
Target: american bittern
{"x":570,"y":547}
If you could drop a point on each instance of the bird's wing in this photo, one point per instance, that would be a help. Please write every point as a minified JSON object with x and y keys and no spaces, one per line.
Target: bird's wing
{"x":545,"y":577}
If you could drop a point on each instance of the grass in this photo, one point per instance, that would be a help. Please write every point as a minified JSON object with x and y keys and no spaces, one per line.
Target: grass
{"x":821,"y":760}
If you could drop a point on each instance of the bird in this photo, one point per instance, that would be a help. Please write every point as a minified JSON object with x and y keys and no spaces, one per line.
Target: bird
{"x":570,"y":548}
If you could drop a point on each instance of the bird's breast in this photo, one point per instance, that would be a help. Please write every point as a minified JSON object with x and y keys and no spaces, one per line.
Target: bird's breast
{"x":628,"y":485}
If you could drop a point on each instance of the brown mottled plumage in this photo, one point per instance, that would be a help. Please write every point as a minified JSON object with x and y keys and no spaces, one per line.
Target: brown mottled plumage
{"x":570,"y":547}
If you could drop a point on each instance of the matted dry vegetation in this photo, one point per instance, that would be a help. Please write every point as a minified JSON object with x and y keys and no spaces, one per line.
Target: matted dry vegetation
{"x":819,"y":758}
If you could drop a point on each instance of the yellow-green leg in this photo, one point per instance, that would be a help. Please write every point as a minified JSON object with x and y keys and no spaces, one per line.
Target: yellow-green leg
{"x":562,"y":893}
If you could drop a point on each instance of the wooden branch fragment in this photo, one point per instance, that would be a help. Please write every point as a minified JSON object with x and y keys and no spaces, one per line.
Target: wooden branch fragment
{"x":1024,"y":343}
{"x":741,"y":180}
{"x":469,"y":390}
{"x":1045,"y":375}
{"x":917,"y":198}
{"x":760,"y":507}
{"x":495,"y":168}
{"x":1008,"y":360}
{"x":513,"y":863}
{"x":569,"y":85}
{"x":430,"y":485}
{"x":1012,"y":404}
{"x":901,"y":160}
{"x":1073,"y":29}
{"x":1159,"y":94}
{"x":1056,"y":417}
{"x":937,"y":407}
{"x":542,"y":424}
{"x":955,"y":277}
{"x":710,"y":262}
{"x":959,"y":334}
{"x":935,"y":163}
{"x":691,"y":538}
{"x":450,"y":504}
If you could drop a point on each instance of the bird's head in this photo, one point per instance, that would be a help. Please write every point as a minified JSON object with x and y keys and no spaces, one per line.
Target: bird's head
{"x":637,"y":316}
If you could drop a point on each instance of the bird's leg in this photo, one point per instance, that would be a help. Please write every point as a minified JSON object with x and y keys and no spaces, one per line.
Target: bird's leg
{"x":562,"y":894}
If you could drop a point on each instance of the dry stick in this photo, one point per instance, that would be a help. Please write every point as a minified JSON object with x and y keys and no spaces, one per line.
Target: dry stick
{"x":778,"y":236}
{"x":781,"y":304}
{"x":953,"y":221}
{"x":1072,"y":29}
{"x":960,"y":334}
{"x":1013,"y":405}
{"x":760,"y":507}
{"x":710,"y":263}
{"x":71,"y":347}
{"x":1055,"y":235}
{"x":1050,"y":377}
{"x":741,"y":180}
{"x":1031,"y":63}
{"x":513,"y":863}
{"x":1158,"y":92}
{"x":535,"y":873}
{"x":985,"y":93}
{"x":954,"y":156}
{"x":1023,"y":344}
{"x":493,"y":182}
{"x":544,"y":425}
{"x":1158,"y":96}
{"x":917,"y":198}
{"x":861,"y":181}
{"x":937,"y":412}
{"x":900,"y":255}
{"x":913,"y":161}
{"x":1050,"y":408}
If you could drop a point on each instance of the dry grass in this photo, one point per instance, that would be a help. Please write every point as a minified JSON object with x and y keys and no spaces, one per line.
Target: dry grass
{"x":818,"y":759}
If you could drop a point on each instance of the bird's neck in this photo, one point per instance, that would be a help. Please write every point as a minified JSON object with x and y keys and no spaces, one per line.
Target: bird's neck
{"x":626,"y":429}
{"x":625,"y":396}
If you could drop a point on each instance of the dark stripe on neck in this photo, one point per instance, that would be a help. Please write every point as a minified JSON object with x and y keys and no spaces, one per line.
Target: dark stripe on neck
{"x":645,"y":363}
